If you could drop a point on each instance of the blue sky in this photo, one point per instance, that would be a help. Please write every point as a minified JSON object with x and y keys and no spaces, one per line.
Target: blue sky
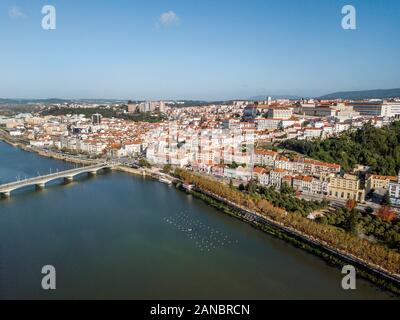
{"x":192,"y":49}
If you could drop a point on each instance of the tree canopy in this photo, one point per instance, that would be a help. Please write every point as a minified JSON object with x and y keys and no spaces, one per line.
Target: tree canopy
{"x":378,"y":148}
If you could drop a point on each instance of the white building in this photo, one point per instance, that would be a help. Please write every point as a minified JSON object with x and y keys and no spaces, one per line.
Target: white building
{"x":269,"y":124}
{"x":394,"y":192}
{"x":280,"y":113}
{"x":263,"y":179}
{"x":276,"y":177}
{"x":265,"y":157}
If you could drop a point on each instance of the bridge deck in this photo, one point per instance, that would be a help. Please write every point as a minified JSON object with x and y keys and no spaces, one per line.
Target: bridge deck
{"x":8,"y":187}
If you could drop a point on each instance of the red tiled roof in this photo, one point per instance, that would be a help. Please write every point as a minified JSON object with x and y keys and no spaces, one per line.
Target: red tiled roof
{"x":259,"y":170}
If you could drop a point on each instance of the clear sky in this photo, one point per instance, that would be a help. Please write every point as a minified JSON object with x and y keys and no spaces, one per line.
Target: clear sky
{"x":196,"y":49}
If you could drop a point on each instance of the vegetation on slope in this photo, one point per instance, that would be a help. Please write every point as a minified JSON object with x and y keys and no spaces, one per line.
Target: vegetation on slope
{"x":378,"y":148}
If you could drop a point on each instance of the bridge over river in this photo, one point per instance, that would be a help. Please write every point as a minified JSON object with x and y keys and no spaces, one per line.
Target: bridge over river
{"x":41,"y":181}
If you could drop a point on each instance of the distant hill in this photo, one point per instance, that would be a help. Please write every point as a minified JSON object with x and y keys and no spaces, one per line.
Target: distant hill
{"x":8,"y":101}
{"x":25,"y":101}
{"x":366,"y":94}
{"x":58,"y":101}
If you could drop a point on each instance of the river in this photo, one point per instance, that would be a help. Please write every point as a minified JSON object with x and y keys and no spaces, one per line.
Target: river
{"x":116,"y":236}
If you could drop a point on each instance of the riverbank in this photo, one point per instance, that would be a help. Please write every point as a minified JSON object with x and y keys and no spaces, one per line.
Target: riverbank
{"x":52,"y":155}
{"x":122,"y":223}
{"x":299,"y":240}
{"x":333,"y":256}
{"x":63,"y":157}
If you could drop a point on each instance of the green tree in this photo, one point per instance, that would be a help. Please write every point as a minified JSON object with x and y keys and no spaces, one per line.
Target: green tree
{"x":144,"y":163}
{"x":251,"y":187}
{"x":287,"y":189}
{"x":167,"y":169}
{"x":378,"y":148}
{"x":233,"y":165}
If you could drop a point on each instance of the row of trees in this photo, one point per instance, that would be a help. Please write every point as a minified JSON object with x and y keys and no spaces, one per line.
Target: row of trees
{"x":376,"y":227}
{"x":378,"y":148}
{"x":371,"y":252}
{"x":285,"y":198}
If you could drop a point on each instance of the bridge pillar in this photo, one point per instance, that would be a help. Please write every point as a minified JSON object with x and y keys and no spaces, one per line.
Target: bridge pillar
{"x":93,"y":173}
{"x":6,"y":194}
{"x":68,"y":180}
{"x":40,"y":186}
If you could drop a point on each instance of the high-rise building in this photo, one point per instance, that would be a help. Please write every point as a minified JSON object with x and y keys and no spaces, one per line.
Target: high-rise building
{"x":147,"y":106}
{"x":162,"y":106}
{"x":151,"y":106}
{"x":132,"y":107}
{"x":96,"y":118}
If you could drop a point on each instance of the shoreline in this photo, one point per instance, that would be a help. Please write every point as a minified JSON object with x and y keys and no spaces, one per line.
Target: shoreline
{"x":373,"y":273}
{"x":376,"y":275}
{"x":42,"y":153}
{"x":66,"y":158}
{"x":331,"y":258}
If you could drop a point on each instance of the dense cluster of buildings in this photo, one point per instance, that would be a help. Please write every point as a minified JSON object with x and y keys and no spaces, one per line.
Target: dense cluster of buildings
{"x":351,"y":109}
{"x":96,"y":136}
{"x":224,"y":140}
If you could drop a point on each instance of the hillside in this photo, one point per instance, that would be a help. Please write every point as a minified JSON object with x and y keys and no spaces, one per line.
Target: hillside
{"x":58,"y":101}
{"x":367,"y":94}
{"x":377,"y":148}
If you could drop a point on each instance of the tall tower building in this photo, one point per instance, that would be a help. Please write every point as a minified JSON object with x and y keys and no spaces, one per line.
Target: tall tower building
{"x":132,"y":107}
{"x":96,"y":118}
{"x":162,"y":106}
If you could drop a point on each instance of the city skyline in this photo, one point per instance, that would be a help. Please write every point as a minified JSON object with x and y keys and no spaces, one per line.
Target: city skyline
{"x":189,"y":50}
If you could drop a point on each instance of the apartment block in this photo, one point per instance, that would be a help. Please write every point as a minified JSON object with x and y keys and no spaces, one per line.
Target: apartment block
{"x":346,"y":188}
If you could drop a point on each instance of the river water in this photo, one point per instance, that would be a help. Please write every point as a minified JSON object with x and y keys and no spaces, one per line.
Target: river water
{"x":116,"y":236}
